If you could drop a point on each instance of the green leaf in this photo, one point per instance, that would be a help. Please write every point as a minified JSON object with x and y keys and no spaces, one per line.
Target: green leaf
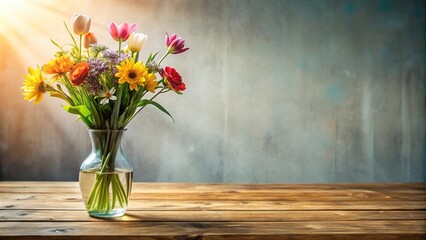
{"x":81,"y":110}
{"x":151,"y":57}
{"x":56,"y":44}
{"x":144,"y":102}
{"x":72,"y":37}
{"x":57,"y":95}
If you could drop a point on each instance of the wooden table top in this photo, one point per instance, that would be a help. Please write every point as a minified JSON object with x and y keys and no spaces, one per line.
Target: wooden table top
{"x":39,"y":210}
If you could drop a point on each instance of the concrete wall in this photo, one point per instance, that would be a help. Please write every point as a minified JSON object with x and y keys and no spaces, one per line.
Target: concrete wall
{"x":277,"y":91}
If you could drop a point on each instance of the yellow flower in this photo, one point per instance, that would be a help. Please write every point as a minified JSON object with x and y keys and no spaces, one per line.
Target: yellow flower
{"x":150,"y":83}
{"x":58,"y":67}
{"x":34,"y":86}
{"x":131,"y":73}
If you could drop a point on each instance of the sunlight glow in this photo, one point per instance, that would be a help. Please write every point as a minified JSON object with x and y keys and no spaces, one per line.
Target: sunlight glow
{"x":24,"y":26}
{"x":10,"y":12}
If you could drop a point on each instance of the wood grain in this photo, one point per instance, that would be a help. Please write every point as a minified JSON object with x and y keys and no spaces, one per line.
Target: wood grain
{"x":213,"y":216}
{"x":39,"y":210}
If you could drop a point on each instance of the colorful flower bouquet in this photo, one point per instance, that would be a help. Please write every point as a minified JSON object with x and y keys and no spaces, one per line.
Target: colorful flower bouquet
{"x":106,"y":89}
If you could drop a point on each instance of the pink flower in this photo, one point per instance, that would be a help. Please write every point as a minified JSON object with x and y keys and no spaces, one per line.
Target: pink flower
{"x":175,"y":44}
{"x":121,"y":32}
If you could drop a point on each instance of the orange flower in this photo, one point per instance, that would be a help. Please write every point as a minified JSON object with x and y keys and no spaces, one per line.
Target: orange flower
{"x":79,"y":73}
{"x":58,"y":67}
{"x":89,"y":38}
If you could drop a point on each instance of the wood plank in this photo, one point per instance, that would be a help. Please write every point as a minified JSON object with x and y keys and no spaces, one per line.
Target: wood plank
{"x":196,"y":187}
{"x":220,"y":211}
{"x":7,"y":199}
{"x":269,"y":236}
{"x":211,"y":216}
{"x":237,"y":195}
{"x":185,"y":205}
{"x":175,"y":229}
{"x":290,"y":196}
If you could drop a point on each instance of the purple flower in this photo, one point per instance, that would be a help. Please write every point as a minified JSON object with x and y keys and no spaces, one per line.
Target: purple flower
{"x":110,"y":54}
{"x":97,"y":67}
{"x":175,"y":44}
{"x":94,"y":84}
{"x":113,"y":58}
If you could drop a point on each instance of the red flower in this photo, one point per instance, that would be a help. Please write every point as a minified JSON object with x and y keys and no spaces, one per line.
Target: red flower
{"x":79,"y":73}
{"x":173,"y":79}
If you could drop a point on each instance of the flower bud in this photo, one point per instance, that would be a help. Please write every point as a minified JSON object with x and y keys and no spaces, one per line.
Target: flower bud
{"x":89,"y":38}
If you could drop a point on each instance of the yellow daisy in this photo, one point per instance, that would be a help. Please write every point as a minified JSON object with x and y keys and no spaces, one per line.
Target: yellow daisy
{"x":150,"y":83}
{"x":34,"y":86}
{"x":58,"y":67}
{"x":131,"y":73}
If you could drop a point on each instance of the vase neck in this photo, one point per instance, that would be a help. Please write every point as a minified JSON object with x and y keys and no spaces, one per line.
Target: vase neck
{"x":105,"y":141}
{"x":106,"y":145}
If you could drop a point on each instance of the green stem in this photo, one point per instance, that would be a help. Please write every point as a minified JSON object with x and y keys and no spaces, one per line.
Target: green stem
{"x":130,"y":119}
{"x":137,"y":56}
{"x":79,"y":49}
{"x":108,"y":191}
{"x":116,"y":110}
{"x":163,"y":57}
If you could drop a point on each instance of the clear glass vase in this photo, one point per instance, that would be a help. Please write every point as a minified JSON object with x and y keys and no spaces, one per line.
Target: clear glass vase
{"x":106,"y":175}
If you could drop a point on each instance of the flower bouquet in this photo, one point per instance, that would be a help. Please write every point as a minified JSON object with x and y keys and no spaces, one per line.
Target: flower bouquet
{"x":106,"y":88}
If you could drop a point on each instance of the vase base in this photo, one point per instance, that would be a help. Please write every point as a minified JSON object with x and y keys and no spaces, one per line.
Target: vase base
{"x":111,"y":214}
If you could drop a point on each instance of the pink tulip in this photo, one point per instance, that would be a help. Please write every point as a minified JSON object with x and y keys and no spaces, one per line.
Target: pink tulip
{"x":175,"y":44}
{"x":121,"y":32}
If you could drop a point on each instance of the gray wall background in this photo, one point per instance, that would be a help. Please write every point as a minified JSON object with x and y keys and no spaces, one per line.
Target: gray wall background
{"x":277,"y":91}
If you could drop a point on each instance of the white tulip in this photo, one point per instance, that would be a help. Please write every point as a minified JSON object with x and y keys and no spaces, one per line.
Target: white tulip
{"x":80,"y":23}
{"x":136,"y":41}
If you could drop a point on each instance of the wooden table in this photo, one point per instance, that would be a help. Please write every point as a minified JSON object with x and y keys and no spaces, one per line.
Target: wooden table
{"x":38,"y":210}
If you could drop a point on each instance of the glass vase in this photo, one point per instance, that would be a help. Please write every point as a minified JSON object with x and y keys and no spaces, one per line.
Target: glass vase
{"x":106,"y":175}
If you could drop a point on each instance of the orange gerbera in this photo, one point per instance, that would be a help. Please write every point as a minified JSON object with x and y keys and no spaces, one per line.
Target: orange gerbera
{"x":58,"y":67}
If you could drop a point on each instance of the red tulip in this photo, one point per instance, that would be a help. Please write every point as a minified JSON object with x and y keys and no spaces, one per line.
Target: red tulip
{"x":175,"y":44}
{"x":121,"y":32}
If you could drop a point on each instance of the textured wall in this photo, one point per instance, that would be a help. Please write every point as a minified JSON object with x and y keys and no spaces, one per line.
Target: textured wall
{"x":277,"y":91}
